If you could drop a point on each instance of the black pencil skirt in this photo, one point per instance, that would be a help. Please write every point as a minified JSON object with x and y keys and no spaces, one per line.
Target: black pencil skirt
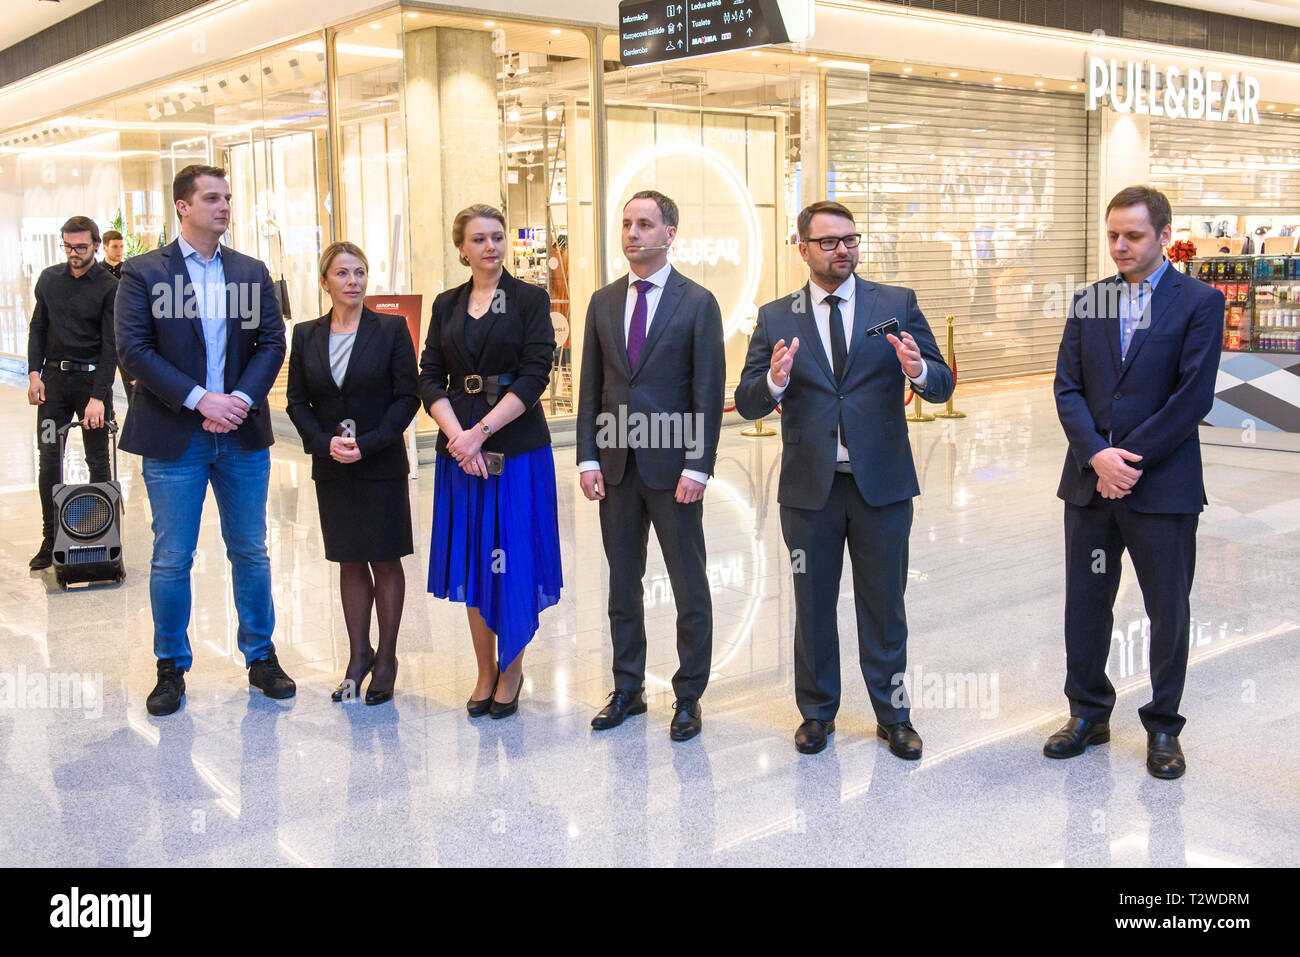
{"x":365,"y":520}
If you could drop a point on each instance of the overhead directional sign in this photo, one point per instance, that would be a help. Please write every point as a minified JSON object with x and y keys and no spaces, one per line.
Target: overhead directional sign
{"x":654,"y":31}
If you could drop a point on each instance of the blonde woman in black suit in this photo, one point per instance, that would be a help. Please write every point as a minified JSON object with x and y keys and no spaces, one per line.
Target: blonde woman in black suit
{"x":351,"y":395}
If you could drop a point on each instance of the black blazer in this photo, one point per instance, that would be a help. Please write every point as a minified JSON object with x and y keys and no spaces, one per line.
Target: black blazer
{"x":378,"y":395}
{"x":160,"y":344}
{"x":1152,"y":402}
{"x":518,"y":338}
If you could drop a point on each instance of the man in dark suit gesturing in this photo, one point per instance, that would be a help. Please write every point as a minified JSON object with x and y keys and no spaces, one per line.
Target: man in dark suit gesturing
{"x":1134,"y":378}
{"x":830,"y":354}
{"x":199,"y":330}
{"x":649,"y":417}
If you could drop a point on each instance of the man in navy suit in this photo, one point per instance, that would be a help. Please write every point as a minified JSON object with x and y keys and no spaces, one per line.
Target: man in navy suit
{"x":199,"y":329}
{"x":1134,"y":378}
{"x":834,"y":354}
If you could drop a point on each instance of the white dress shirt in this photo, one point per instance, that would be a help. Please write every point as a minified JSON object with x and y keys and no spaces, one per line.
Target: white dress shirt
{"x":821,"y":311}
{"x":652,"y":297}
{"x":209,"y":279}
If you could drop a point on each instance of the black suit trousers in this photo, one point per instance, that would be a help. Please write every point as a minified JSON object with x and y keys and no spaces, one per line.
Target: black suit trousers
{"x":627,"y":511}
{"x":878,"y":548}
{"x":66,"y":395}
{"x":1162,"y":548}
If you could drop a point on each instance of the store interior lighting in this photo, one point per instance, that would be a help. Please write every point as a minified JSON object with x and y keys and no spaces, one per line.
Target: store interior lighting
{"x":247,"y":84}
{"x":269,"y":79}
{"x":169,"y":108}
{"x":153,"y":112}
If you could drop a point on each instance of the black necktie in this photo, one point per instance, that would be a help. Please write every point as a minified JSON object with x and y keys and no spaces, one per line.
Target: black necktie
{"x":839,"y":350}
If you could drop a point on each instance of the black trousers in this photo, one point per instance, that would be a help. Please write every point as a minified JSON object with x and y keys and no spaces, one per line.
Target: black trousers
{"x":1163,"y":551}
{"x":66,"y":395}
{"x":626,"y":513}
{"x":878,"y":547}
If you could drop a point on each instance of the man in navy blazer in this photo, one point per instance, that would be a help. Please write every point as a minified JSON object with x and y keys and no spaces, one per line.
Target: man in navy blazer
{"x":834,"y":355}
{"x":1134,"y":378}
{"x":199,"y":329}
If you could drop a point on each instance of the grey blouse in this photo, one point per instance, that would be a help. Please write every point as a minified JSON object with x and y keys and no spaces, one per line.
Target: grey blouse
{"x":340,"y":353}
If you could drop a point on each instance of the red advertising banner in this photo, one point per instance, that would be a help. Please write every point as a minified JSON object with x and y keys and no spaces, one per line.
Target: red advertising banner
{"x":405,"y":305}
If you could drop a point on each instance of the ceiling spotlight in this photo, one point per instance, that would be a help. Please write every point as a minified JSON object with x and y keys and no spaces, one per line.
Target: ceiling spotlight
{"x":203,"y":94}
{"x":224,"y":87}
{"x":295,"y":70}
{"x":997,"y":79}
{"x":248,"y":86}
{"x":1038,"y":83}
{"x":268,"y":75}
{"x":907,"y":69}
{"x":953,"y":75}
{"x":550,"y":116}
{"x":169,"y":107}
{"x":513,"y":115}
{"x":153,"y":112}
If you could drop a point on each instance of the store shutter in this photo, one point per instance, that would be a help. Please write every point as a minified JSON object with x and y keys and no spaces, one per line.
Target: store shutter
{"x":974,"y":196}
{"x":1226,"y":167}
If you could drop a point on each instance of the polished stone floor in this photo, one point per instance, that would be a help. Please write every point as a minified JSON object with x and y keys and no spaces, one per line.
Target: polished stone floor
{"x":235,"y":778}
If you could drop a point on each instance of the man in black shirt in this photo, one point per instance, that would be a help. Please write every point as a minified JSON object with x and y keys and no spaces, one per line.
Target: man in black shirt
{"x":114,"y":246}
{"x":71,"y":360}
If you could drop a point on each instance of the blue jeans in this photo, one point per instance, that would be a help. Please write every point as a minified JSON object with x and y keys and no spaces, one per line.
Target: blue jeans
{"x":177,"y":488}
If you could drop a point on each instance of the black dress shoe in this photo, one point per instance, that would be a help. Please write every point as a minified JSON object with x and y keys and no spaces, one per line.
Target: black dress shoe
{"x":1075,"y":735}
{"x":168,"y":692}
{"x":1165,"y":756}
{"x":380,"y":695}
{"x":44,"y":559}
{"x":477,"y":707}
{"x":903,"y":740}
{"x":621,"y":704}
{"x":812,"y":734}
{"x":687,"y":719}
{"x":266,"y":675}
{"x":504,"y":709}
{"x":348,"y":688}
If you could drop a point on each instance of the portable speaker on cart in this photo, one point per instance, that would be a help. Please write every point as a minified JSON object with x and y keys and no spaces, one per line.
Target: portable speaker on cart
{"x":88,"y":524}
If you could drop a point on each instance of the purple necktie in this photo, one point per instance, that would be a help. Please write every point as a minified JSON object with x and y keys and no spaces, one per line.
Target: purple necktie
{"x":636,"y":334}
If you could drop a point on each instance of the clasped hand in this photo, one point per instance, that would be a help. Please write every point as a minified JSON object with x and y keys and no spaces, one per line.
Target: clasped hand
{"x":221,"y":413}
{"x":343,"y":448}
{"x":1115,"y":477}
{"x":466,"y":448}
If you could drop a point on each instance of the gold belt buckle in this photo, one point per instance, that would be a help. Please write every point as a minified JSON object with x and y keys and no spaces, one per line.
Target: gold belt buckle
{"x":478,"y":379}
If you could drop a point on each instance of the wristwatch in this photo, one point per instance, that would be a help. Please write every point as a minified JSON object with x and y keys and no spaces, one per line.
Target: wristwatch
{"x":487,"y":429}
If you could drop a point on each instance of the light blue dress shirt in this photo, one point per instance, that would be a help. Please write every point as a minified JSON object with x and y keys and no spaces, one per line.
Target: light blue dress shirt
{"x":209,"y":279}
{"x":1133,"y":305}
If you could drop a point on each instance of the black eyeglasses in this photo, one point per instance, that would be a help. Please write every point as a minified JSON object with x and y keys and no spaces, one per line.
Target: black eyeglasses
{"x":77,"y":250}
{"x":828,"y":243}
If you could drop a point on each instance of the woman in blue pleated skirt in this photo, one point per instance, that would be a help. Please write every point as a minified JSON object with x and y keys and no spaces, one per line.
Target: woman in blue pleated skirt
{"x":495,"y":543}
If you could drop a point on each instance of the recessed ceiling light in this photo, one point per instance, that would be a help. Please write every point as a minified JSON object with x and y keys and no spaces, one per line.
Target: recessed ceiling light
{"x":412,"y":16}
{"x":1270,"y":106}
{"x":953,"y":75}
{"x":489,"y":23}
{"x":755,"y":53}
{"x":375,"y":26}
{"x":812,"y":59}
{"x":1038,"y":83}
{"x":1074,"y":86}
{"x":557,"y":31}
{"x":997,"y":79}
{"x":907,"y":69}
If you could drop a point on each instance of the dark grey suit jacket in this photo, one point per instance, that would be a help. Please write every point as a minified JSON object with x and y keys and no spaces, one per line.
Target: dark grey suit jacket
{"x":870,"y":396}
{"x":682,"y":370}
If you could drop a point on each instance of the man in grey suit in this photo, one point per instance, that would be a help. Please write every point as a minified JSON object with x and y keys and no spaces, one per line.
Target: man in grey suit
{"x":649,"y":416}
{"x":830,"y":354}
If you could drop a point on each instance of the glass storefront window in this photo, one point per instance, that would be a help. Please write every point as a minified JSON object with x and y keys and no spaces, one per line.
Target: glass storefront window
{"x":720,"y":135}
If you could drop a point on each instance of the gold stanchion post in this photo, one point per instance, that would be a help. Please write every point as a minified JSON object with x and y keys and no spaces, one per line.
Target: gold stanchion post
{"x":758,"y":429}
{"x":949,"y":412}
{"x":917,"y":415}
